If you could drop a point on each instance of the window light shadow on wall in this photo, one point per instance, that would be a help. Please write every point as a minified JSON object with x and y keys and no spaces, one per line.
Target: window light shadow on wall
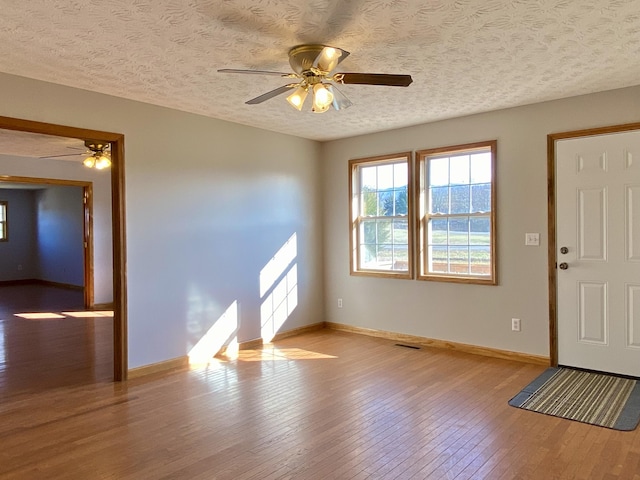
{"x":222,"y":332}
{"x":279,"y":289}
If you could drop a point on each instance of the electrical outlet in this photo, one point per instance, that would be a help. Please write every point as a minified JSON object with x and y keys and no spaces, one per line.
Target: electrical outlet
{"x":19,"y":267}
{"x":515,"y":324}
{"x":339,"y":303}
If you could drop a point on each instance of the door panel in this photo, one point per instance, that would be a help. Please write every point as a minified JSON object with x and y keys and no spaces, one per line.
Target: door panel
{"x":598,"y":283}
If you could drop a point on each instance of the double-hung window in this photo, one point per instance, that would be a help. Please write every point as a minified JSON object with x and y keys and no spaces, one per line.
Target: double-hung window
{"x":456,"y":213}
{"x":3,"y":221}
{"x":381,"y":216}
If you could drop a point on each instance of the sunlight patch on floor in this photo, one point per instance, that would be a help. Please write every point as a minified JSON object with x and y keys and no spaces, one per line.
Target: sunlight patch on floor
{"x":40,"y":316}
{"x":90,"y":314}
{"x":276,"y":354}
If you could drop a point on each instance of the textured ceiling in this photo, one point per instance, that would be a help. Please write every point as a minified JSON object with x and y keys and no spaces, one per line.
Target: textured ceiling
{"x":465,"y":56}
{"x":26,"y":144}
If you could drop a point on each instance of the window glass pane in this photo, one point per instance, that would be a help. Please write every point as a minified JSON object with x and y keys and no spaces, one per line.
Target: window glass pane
{"x":480,"y":260}
{"x":401,"y":257}
{"x":480,"y":231}
{"x":368,"y":231}
{"x":384,"y":231}
{"x":369,"y":204}
{"x":481,"y":167}
{"x":402,"y":207}
{"x":2,"y":213}
{"x":458,"y":259}
{"x":400,"y":175}
{"x":1,"y":229}
{"x":385,"y":203}
{"x":481,"y":198}
{"x":459,"y":170}
{"x":385,"y":257}
{"x":460,"y":200}
{"x":400,"y":232}
{"x":439,"y":171}
{"x":459,"y":231}
{"x":385,"y":177}
{"x":368,"y":178}
{"x":437,"y":231}
{"x":439,"y":200}
{"x":438,"y":259}
{"x":367,"y":256}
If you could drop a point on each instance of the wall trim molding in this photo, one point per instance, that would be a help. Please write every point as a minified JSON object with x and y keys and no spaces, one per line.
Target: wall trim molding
{"x":299,"y":331}
{"x":166,"y":366}
{"x":103,"y":306}
{"x":38,"y":281}
{"x":445,"y":344}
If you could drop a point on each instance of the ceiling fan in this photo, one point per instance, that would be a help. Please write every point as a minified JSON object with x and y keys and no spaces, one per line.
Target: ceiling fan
{"x":98,"y":154}
{"x":313,"y":68}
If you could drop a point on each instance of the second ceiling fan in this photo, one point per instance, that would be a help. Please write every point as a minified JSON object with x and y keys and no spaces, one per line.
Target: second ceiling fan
{"x":313,"y":68}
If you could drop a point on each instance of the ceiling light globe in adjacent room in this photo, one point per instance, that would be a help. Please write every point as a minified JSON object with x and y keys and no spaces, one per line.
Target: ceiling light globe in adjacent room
{"x":89,"y":162}
{"x":103,"y":162}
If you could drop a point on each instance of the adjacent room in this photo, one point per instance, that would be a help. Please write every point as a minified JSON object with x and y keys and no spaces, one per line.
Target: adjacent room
{"x":323,"y":240}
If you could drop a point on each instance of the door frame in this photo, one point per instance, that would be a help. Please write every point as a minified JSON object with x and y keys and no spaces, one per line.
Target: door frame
{"x":120,"y":353}
{"x":87,"y":224}
{"x":551,"y":216}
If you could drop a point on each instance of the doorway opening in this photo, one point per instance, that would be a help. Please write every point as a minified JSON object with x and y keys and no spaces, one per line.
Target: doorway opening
{"x":116,"y":140}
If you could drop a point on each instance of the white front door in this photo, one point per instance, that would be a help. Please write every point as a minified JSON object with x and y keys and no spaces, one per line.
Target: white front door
{"x":598,"y":226}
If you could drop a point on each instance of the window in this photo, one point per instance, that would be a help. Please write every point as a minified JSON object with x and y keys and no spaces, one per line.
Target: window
{"x":3,"y":221}
{"x":456,"y":203}
{"x":381,"y":230}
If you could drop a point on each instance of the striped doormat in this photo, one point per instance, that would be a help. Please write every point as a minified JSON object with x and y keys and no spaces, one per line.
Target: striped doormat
{"x":588,"y":397}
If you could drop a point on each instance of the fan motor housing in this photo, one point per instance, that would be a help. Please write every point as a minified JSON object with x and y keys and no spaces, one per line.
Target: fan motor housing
{"x":301,"y":58}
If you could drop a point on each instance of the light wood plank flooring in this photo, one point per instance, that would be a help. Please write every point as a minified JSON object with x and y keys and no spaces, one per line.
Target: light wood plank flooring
{"x":323,"y":405}
{"x":50,"y":348}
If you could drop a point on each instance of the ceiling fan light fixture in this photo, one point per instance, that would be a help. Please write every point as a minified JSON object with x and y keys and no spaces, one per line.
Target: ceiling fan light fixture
{"x":340,"y":100}
{"x":322,"y":98}
{"x":102,"y":162}
{"x":297,"y":98}
{"x":90,"y":161}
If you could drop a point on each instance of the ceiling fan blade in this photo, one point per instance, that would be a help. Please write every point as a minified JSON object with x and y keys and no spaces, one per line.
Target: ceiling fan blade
{"x":254,"y":72}
{"x":65,"y":155}
{"x":340,"y":100}
{"x":273,"y":93}
{"x":329,"y":58}
{"x":373,"y":79}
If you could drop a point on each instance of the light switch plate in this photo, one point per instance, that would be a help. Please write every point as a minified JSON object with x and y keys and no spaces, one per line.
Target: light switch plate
{"x":532,"y":239}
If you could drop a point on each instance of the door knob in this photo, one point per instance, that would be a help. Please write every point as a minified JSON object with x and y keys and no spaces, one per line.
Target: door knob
{"x":563,"y":266}
{"x":564,"y":250}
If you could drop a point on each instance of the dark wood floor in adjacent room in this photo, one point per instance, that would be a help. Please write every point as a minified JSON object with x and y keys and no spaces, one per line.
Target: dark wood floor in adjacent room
{"x":48,"y":340}
{"x":323,"y":405}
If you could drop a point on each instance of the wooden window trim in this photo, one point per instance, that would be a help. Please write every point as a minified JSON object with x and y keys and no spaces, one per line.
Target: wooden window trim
{"x":354,"y":222}
{"x":421,"y":216}
{"x":4,"y":205}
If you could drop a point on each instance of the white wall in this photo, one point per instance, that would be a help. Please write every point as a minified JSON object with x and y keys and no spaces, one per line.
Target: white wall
{"x":18,"y":255}
{"x":472,"y":314}
{"x":208,"y":205}
{"x":60,"y":234}
{"x":66,"y":170}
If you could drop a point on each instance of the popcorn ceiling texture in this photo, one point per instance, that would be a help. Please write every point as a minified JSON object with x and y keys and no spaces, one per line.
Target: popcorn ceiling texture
{"x":465,"y":56}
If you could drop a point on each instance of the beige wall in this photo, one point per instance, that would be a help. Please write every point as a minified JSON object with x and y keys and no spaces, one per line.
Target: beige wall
{"x":208,"y":203}
{"x":473,"y":314}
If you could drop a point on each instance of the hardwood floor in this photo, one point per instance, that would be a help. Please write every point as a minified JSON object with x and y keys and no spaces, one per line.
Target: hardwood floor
{"x":323,"y":405}
{"x":56,"y":345}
